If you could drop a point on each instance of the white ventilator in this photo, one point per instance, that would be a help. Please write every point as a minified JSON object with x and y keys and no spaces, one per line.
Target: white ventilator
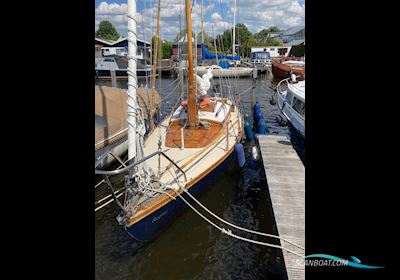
{"x":203,"y":83}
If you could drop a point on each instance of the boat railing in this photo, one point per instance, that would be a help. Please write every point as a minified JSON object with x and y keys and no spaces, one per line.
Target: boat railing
{"x":279,"y":91}
{"x":127,"y":168}
{"x":278,"y":87}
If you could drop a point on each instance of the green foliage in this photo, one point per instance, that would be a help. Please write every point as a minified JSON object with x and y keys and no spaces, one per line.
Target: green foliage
{"x":274,"y":29}
{"x":160,"y":47}
{"x":208,"y":41}
{"x":263,"y":38}
{"x":107,"y":31}
{"x":243,"y":38}
{"x":262,"y":34}
{"x":166,"y":50}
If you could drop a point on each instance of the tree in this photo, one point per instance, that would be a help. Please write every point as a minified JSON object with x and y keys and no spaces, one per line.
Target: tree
{"x":107,"y":31}
{"x":166,"y":50}
{"x":160,"y":47}
{"x":264,"y":38}
{"x":208,"y":41}
{"x":243,"y":39}
{"x":262,"y":34}
{"x":274,"y":29}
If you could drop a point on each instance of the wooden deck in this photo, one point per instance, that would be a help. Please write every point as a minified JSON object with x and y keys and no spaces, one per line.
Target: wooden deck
{"x":285,"y":177}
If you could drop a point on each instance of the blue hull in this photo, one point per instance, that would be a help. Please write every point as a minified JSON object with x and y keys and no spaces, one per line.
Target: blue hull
{"x":149,"y":227}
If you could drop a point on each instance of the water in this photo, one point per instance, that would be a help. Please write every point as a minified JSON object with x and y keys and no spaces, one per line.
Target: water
{"x":190,"y":248}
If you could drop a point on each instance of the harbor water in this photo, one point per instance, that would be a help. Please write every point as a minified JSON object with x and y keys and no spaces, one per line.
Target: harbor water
{"x":190,"y":248}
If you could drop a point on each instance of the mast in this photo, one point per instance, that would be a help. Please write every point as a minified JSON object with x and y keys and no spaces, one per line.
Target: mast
{"x":132,"y":81}
{"x":145,"y":48}
{"x":234,"y":33}
{"x":192,"y":110}
{"x":202,"y":22}
{"x":155,"y":58}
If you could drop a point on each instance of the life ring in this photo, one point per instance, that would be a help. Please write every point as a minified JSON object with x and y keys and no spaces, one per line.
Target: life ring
{"x":204,"y":101}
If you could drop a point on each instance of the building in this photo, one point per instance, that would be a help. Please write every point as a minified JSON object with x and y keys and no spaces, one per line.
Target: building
{"x":97,"y":50}
{"x":273,"y":35}
{"x":120,"y":47}
{"x":179,"y":49}
{"x":294,"y":33}
{"x":294,"y":39}
{"x":297,"y":47}
{"x":274,"y":51}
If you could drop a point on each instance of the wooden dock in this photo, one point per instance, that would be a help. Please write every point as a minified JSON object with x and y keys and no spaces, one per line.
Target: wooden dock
{"x":285,"y":178}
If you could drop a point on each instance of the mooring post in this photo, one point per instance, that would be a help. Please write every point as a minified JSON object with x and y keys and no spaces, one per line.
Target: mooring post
{"x":253,"y":93}
{"x":113,"y":78}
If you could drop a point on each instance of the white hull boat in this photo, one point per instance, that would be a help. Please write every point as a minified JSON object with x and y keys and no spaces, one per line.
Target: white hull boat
{"x":292,"y":103}
{"x":218,"y":71}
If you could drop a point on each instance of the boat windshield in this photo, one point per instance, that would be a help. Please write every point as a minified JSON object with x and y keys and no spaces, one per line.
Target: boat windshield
{"x":299,"y":106}
{"x":289,"y":97}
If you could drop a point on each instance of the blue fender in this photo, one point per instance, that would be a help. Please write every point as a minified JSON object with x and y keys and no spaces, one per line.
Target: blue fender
{"x":262,"y":127}
{"x":248,"y":130}
{"x":241,"y":160}
{"x":257,"y":110}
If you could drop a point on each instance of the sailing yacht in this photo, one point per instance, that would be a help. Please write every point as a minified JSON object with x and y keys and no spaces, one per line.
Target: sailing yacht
{"x":184,"y":153}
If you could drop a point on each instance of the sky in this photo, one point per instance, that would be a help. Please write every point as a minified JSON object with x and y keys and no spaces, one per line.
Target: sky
{"x":217,"y":14}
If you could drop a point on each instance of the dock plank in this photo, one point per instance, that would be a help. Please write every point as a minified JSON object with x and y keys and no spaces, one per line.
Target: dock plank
{"x":285,"y":174}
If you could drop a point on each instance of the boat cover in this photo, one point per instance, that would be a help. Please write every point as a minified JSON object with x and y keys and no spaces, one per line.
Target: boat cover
{"x":111,"y":112}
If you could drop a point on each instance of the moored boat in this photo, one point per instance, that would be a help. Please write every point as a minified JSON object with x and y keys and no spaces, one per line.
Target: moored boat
{"x":202,"y":154}
{"x":230,"y":72}
{"x":291,"y":100}
{"x":283,"y":69}
{"x":119,"y":64}
{"x":186,"y":151}
{"x":111,"y":127}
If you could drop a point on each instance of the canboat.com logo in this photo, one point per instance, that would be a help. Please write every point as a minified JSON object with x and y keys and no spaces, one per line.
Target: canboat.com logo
{"x":328,"y":260}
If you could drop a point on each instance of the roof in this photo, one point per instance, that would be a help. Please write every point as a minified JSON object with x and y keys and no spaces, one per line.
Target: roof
{"x":295,"y":43}
{"x":103,"y":41}
{"x":293,"y":30}
{"x":111,"y":43}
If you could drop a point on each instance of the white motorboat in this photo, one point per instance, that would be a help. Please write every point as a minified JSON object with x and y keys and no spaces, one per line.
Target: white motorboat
{"x":291,"y":100}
